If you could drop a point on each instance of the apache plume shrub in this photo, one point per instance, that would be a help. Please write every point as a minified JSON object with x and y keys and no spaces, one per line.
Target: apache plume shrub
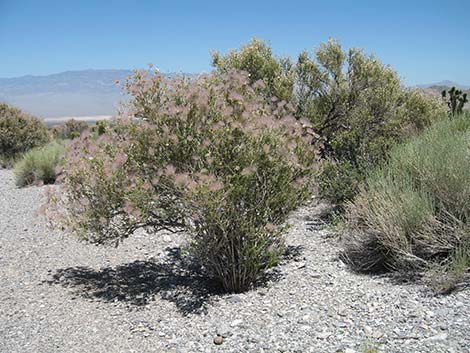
{"x":19,"y":132}
{"x":40,"y":165}
{"x":209,"y":156}
{"x":415,"y":210}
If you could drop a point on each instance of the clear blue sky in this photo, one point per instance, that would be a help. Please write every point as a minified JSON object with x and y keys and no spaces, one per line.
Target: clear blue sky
{"x":425,"y":41}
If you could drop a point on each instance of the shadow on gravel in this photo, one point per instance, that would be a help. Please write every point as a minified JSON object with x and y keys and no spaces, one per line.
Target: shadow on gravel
{"x":137,"y":283}
{"x":176,"y":279}
{"x":293,"y":252}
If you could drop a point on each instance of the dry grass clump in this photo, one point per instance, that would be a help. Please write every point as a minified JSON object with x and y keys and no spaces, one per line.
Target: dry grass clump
{"x":414,"y":211}
{"x":40,"y":165}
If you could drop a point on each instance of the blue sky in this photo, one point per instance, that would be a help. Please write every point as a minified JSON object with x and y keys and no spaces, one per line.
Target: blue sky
{"x":425,"y":41}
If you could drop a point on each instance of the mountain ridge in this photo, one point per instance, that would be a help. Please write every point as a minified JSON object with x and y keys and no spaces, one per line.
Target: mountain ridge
{"x":89,"y":92}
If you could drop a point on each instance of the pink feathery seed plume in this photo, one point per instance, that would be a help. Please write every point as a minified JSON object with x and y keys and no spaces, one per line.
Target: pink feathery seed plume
{"x":216,"y":186}
{"x":147,"y":186}
{"x":301,"y":181}
{"x":170,"y":170}
{"x":270,"y":227}
{"x":259,"y":84}
{"x":181,"y":178}
{"x":249,"y":170}
{"x":128,"y":207}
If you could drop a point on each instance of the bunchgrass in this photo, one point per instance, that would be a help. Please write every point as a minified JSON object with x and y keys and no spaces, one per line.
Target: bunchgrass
{"x":39,"y":165}
{"x":414,"y":211}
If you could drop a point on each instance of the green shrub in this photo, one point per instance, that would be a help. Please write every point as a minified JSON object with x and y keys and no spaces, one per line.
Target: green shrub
{"x":360,"y":109}
{"x":19,"y":132}
{"x":355,"y":103}
{"x":39,"y":166}
{"x":257,"y":59}
{"x":414,"y":211}
{"x":208,"y":156}
{"x":70,"y":130}
{"x":100,"y":127}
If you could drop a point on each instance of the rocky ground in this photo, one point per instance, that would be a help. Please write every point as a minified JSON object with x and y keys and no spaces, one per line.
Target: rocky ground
{"x":60,"y":295}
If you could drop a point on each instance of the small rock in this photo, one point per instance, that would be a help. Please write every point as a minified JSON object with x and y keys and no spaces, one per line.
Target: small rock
{"x":218,"y":340}
{"x":234,"y":299}
{"x":324,"y":335}
{"x":439,"y":337}
{"x":223,"y":331}
{"x":236,"y":323}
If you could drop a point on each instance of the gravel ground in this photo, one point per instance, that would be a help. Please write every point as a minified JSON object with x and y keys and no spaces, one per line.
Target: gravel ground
{"x":60,"y":295}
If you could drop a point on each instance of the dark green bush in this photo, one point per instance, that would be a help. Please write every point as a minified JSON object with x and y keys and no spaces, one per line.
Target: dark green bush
{"x":40,"y":165}
{"x":415,"y":210}
{"x":19,"y":132}
{"x":209,"y":156}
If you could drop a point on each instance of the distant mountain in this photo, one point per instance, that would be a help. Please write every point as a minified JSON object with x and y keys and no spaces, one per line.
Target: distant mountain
{"x":66,"y":94}
{"x":437,"y":88}
{"x":445,"y":83}
{"x":90,"y":92}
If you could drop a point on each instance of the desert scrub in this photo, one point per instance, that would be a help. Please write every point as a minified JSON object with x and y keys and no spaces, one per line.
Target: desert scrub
{"x":70,"y":130}
{"x":414,"y":211}
{"x":19,"y":132}
{"x":361,"y":110}
{"x":257,"y":59}
{"x":40,"y":165}
{"x":355,"y":103}
{"x":209,"y":156}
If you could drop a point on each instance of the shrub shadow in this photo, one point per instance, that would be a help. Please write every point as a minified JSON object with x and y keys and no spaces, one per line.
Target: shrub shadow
{"x":175,"y":278}
{"x":136,"y":283}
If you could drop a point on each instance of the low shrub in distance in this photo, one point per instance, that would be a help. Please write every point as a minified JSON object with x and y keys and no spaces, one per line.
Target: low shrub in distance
{"x":210,"y":156}
{"x":19,"y":132}
{"x":70,"y":130}
{"x":40,"y":165}
{"x":415,"y":210}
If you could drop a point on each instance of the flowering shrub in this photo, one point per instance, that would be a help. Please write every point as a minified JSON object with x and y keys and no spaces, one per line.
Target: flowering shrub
{"x":19,"y":132}
{"x":208,"y":156}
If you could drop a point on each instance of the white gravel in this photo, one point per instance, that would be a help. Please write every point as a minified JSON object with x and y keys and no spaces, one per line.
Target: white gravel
{"x":60,"y":295}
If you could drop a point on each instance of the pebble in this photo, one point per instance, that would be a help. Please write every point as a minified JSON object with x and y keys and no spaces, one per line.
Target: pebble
{"x":218,"y":340}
